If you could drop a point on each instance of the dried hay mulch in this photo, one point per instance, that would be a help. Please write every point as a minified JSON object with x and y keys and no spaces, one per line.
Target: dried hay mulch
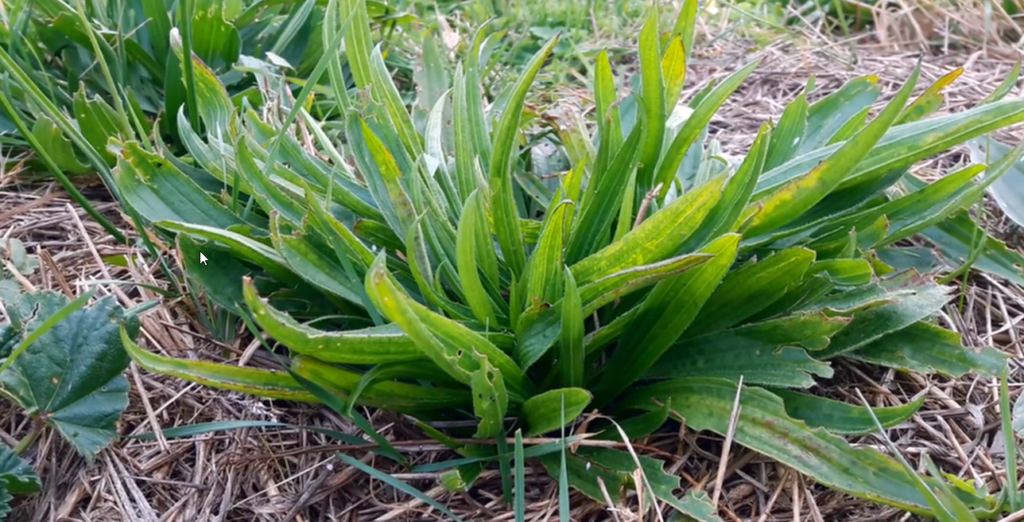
{"x":282,"y":475}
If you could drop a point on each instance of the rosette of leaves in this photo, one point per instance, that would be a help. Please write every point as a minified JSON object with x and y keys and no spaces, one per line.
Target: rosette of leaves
{"x":430,"y":269}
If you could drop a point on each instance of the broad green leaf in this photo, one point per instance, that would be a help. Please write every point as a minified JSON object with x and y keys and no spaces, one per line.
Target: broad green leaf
{"x":843,"y":418}
{"x":71,"y":376}
{"x":218,"y":278}
{"x":624,"y":282}
{"x":57,"y":147}
{"x":17,"y":476}
{"x":465,"y":157}
{"x":851,"y":127}
{"x":545,"y":266}
{"x":752,"y":288}
{"x":830,"y":114}
{"x":479,"y":126}
{"x":954,"y":238}
{"x":1007,"y":190}
{"x":384,"y":86}
{"x":797,"y":197}
{"x":930,"y":100}
{"x":385,"y":176}
{"x":358,"y":44}
{"x":666,"y":313}
{"x":765,"y":427}
{"x":265,"y":190}
{"x":158,"y":28}
{"x":844,"y":272}
{"x":961,"y":198}
{"x":546,"y":412}
{"x":808,"y":330}
{"x":921,"y":300}
{"x":609,"y":124}
{"x":214,"y":38}
{"x":656,"y":239}
{"x":927,"y":348}
{"x":238,"y":245}
{"x":787,"y":134}
{"x":696,"y":504}
{"x":442,"y":340}
{"x":652,"y":103}
{"x":378,"y":233}
{"x":427,"y":280}
{"x":432,"y":76}
{"x":545,"y":330}
{"x":503,"y":207}
{"x":212,"y":101}
{"x":490,"y":400}
{"x":97,"y":121}
{"x":731,"y":355}
{"x":271,"y":384}
{"x":158,"y":191}
{"x":1004,"y":87}
{"x":472,"y":239}
{"x":725,"y":216}
{"x":673,"y":72}
{"x":571,"y":354}
{"x":338,"y":235}
{"x":685,"y":25}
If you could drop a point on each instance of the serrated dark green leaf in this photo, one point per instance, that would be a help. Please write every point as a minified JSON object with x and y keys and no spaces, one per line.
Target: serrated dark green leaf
{"x":71,"y":376}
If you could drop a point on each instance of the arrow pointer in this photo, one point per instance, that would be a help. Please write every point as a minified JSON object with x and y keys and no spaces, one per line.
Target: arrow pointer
{"x":202,"y":258}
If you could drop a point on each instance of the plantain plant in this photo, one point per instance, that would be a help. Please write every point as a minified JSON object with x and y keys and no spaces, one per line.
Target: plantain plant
{"x":429,"y":266}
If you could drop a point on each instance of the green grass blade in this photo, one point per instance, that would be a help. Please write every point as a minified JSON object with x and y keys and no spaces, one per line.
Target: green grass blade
{"x":397,"y":484}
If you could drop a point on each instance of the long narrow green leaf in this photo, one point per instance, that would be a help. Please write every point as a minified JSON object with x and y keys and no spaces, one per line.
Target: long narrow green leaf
{"x":693,"y":126}
{"x":797,"y":197}
{"x":765,"y":427}
{"x":652,"y":104}
{"x":603,"y":197}
{"x":840,"y":417}
{"x":571,"y":355}
{"x":669,"y":309}
{"x":656,"y":239}
{"x":503,"y":206}
{"x":263,"y":383}
{"x":467,"y":248}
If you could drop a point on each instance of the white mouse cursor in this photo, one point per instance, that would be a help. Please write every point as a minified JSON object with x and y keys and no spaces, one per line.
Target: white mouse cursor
{"x":202,"y":258}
